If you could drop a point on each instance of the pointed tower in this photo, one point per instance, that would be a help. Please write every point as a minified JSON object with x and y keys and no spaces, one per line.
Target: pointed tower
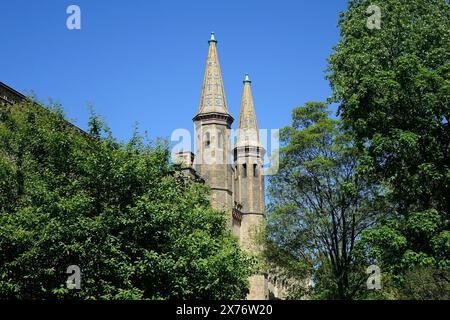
{"x":249,"y":186}
{"x":212,"y":134}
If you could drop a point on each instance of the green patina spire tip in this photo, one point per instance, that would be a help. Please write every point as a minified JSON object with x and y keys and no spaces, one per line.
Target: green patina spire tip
{"x":213,"y":38}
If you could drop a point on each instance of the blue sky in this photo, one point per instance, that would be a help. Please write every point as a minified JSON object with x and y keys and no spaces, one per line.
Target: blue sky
{"x":143,"y":61}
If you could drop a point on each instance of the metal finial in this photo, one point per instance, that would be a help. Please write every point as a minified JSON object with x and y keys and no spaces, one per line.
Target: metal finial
{"x":246,"y":78}
{"x":213,"y":38}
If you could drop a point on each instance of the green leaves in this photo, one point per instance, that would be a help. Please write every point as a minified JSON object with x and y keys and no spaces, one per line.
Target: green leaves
{"x":320,"y":204}
{"x":423,"y":224}
{"x":136,"y":229}
{"x":392,"y":87}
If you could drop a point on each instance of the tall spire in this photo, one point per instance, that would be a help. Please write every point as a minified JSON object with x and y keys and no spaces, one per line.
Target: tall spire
{"x":213,"y":94}
{"x":248,"y":133}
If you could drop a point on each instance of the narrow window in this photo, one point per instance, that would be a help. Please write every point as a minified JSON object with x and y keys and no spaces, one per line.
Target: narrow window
{"x":244,"y":170}
{"x":207,"y":140}
{"x":220,"y":140}
{"x":255,"y":170}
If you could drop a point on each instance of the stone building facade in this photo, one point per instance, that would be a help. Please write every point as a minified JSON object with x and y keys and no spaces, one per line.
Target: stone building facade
{"x":234,"y":172}
{"x":9,"y":96}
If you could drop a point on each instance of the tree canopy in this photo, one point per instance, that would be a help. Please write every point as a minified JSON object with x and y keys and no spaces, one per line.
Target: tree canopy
{"x":119,"y":211}
{"x":319,"y":204}
{"x":392,"y":86}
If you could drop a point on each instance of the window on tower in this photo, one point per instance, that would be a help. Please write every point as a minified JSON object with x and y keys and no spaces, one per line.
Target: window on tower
{"x":244,"y":170}
{"x":220,"y":140}
{"x":255,"y":170}
{"x":207,"y":140}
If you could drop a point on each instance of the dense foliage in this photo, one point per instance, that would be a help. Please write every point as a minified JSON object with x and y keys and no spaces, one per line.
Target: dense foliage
{"x":319,"y":204}
{"x":136,"y":228}
{"x":391,"y":83}
{"x":393,"y":89}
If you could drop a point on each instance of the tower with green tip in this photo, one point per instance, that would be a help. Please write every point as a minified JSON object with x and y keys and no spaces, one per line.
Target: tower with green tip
{"x":233,"y":172}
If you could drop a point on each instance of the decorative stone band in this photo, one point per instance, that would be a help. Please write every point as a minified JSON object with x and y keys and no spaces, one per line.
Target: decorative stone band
{"x":221,"y":189}
{"x":252,"y":213}
{"x":246,"y":151}
{"x":214,"y":115}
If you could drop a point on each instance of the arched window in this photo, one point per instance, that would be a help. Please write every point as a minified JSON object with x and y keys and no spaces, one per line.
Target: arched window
{"x":207,"y":139}
{"x":244,"y":170}
{"x":255,"y":170}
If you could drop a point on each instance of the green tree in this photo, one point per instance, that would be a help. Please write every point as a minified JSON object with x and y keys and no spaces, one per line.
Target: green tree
{"x":120,"y":211}
{"x":393,"y":89}
{"x":319,"y":205}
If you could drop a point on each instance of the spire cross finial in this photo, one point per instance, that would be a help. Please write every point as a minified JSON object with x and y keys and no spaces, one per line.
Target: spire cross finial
{"x":247,"y":78}
{"x":213,"y":38}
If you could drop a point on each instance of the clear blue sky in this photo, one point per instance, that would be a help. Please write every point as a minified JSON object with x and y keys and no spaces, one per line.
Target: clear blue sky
{"x":143,"y":61}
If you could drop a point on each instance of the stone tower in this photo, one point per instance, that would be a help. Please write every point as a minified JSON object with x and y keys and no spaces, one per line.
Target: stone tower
{"x":249,"y":185}
{"x":233,"y":174}
{"x":212,"y":134}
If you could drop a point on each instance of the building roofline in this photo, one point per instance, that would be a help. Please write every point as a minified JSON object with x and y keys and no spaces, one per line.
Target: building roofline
{"x":12,"y":90}
{"x":23,"y":97}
